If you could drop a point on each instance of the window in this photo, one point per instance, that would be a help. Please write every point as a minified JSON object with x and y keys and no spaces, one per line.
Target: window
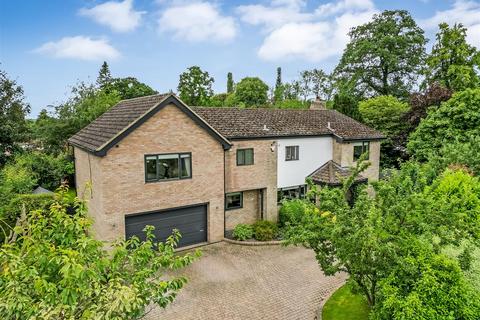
{"x":360,"y":148}
{"x":168,"y":166}
{"x":234,"y":200}
{"x":297,"y":192}
{"x":291,"y":153}
{"x":244,"y":157}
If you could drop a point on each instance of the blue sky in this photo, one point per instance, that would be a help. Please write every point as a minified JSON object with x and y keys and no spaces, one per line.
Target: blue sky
{"x":47,"y":46}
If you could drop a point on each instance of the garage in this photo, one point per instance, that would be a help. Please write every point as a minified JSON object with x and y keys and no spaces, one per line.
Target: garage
{"x":190,"y":221}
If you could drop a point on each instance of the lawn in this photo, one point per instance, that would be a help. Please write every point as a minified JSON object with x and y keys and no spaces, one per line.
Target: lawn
{"x":344,"y":305}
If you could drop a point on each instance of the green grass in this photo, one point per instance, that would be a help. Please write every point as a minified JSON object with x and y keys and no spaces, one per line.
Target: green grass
{"x":344,"y":305}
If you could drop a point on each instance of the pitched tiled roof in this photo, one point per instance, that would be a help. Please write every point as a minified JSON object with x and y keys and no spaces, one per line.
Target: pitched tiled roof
{"x":256,"y":123}
{"x":332,"y":173}
{"x":112,"y":122}
{"x":223,"y":123}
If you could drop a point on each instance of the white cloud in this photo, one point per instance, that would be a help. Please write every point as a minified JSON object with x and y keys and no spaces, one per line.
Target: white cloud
{"x":293,"y":33}
{"x":197,"y":22}
{"x":119,"y":16}
{"x":332,"y":8}
{"x":280,"y":12}
{"x":79,"y":47}
{"x":465,"y":12}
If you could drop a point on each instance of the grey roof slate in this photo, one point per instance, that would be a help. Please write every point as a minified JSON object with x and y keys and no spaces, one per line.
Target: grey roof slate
{"x":235,"y":123}
{"x":230,"y":123}
{"x":331,"y":173}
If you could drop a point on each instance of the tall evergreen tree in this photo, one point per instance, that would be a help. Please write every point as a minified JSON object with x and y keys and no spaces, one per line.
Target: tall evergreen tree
{"x":229,"y":82}
{"x":279,"y":89}
{"x":104,"y":76}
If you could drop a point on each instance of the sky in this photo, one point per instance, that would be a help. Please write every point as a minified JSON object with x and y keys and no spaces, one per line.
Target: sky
{"x":48,"y":46}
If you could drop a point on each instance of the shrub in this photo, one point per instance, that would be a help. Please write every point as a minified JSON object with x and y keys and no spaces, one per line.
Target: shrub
{"x":265,"y":230}
{"x":243,"y":232}
{"x":291,"y":212}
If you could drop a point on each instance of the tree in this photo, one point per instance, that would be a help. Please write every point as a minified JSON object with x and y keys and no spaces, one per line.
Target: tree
{"x":51,"y":268}
{"x":230,"y":83}
{"x":252,"y":91}
{"x":453,"y":62}
{"x":278,"y":93}
{"x":104,"y":76}
{"x":384,"y":56}
{"x":455,"y":119}
{"x":316,"y":84}
{"x":195,"y":86}
{"x":218,"y":100}
{"x":129,"y":87}
{"x":383,"y":113}
{"x":13,"y":110}
{"x":416,"y":209}
{"x":347,"y":104}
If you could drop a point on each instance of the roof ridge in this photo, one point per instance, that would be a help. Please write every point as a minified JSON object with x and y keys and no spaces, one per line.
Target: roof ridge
{"x":142,"y":97}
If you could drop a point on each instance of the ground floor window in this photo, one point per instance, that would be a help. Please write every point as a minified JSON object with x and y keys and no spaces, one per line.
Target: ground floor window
{"x":234,"y":200}
{"x":296,"y":192}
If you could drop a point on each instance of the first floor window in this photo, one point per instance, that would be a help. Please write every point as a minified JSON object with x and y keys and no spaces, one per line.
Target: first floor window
{"x":234,"y":200}
{"x":244,"y":157}
{"x":289,"y":193}
{"x":168,"y":166}
{"x":291,"y":153}
{"x":360,"y":148}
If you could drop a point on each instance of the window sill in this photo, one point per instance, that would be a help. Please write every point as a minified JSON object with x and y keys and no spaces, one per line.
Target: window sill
{"x":167,"y":180}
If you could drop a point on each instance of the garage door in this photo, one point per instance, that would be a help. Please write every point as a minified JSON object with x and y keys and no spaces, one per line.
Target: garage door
{"x":190,"y":221}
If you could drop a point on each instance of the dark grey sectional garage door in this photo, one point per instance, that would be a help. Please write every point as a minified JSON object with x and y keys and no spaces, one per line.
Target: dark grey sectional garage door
{"x":191,"y":221}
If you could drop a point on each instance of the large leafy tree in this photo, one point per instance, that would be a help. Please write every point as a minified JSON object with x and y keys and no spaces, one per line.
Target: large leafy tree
{"x":417,"y":211}
{"x":51,"y":268}
{"x":316,"y":84}
{"x":252,"y":91}
{"x":455,"y":120}
{"x":13,"y":110}
{"x":453,"y":62}
{"x":384,"y":56}
{"x":195,"y":86}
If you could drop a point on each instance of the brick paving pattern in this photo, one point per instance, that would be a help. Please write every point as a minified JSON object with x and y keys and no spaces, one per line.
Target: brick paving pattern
{"x":251,"y":282}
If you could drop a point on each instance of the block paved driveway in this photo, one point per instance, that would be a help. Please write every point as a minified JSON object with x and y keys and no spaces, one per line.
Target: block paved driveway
{"x":231,"y":281}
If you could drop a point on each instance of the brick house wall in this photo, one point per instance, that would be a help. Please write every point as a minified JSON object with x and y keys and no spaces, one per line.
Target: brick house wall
{"x":261,"y":175}
{"x":119,"y":186}
{"x":343,"y":155}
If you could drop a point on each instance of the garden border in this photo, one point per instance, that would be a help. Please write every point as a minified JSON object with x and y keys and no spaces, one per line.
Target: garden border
{"x":255,"y":243}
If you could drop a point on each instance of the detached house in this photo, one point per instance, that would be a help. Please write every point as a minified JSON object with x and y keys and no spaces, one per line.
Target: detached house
{"x":154,"y":160}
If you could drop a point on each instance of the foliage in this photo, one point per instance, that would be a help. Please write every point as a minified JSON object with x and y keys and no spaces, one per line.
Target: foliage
{"x":265,"y":230}
{"x":128,"y":88}
{"x":104,"y":77}
{"x":230,"y":83}
{"x":12,"y":210}
{"x":243,"y":232}
{"x":278,"y":94}
{"x":346,"y":103}
{"x":13,"y":110}
{"x":344,"y":304}
{"x":218,"y":100}
{"x":472,"y":273}
{"x":53,"y":269}
{"x":453,"y":62}
{"x":316,"y":84}
{"x":85,"y":105}
{"x":383,"y":113}
{"x":460,"y":154}
{"x":291,"y":212}
{"x":456,"y":119}
{"x":427,"y":286}
{"x":251,"y":91}
{"x":384,"y":56}
{"x":292,"y":91}
{"x":292,"y":104}
{"x":195,"y":86}
{"x":369,"y":239}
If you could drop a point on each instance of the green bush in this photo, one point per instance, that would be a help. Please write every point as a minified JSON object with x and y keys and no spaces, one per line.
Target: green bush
{"x":243,"y":232}
{"x":11,"y":212}
{"x":291,"y":212}
{"x":265,"y":230}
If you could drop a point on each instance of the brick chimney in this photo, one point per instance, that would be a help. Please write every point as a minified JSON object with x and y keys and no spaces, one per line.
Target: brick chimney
{"x":318,"y":104}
